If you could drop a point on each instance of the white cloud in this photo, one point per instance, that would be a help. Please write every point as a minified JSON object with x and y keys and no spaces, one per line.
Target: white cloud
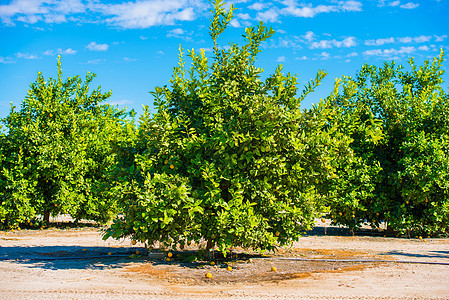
{"x":328,"y":44}
{"x":422,"y":39}
{"x":440,"y":38}
{"x":26,"y":55}
{"x":418,"y":39}
{"x":349,"y":42}
{"x":127,"y":59}
{"x":235,"y":23}
{"x":6,"y":60}
{"x":281,"y":59}
{"x":423,"y":48}
{"x":95,"y":61}
{"x":405,"y":40}
{"x":33,"y":11}
{"x":309,"y":36}
{"x":301,"y":58}
{"x":324,"y":55}
{"x":143,"y":38}
{"x":379,"y":42}
{"x":352,"y":54}
{"x":395,"y":3}
{"x":144,"y":14}
{"x":270,"y":15}
{"x":350,"y":5}
{"x":409,"y":5}
{"x":257,"y":6}
{"x":68,"y":51}
{"x":243,"y":16}
{"x":310,"y":11}
{"x":179,"y":33}
{"x":176,"y":31}
{"x":93,"y":46}
{"x":389,"y":52}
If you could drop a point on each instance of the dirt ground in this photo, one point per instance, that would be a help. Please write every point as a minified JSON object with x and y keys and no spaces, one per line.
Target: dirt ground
{"x":75,"y":263}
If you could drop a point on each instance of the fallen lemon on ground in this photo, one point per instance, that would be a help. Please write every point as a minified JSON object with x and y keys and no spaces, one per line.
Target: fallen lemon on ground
{"x":167,"y":259}
{"x":138,"y":252}
{"x":84,"y":249}
{"x":208,"y":275}
{"x":109,"y":253}
{"x":212,"y":263}
{"x":273,"y":269}
{"x":229,"y":268}
{"x":169,"y":254}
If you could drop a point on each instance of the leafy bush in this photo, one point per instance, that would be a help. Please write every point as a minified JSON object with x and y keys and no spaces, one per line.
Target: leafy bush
{"x":57,"y":152}
{"x":228,"y":158}
{"x":399,"y":125}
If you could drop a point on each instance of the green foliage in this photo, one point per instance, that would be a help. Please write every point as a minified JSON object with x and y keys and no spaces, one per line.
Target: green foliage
{"x":398,"y":172}
{"x":228,"y":158}
{"x":57,"y":152}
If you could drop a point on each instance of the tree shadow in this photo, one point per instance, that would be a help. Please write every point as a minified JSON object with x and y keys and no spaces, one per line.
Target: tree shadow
{"x":430,"y":254}
{"x":345,"y":231}
{"x":99,"y":258}
{"x":69,"y":257}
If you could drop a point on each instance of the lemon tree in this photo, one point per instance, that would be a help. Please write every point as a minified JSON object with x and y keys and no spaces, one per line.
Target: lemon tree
{"x":56,"y":152}
{"x":399,"y":129}
{"x":229,"y":158}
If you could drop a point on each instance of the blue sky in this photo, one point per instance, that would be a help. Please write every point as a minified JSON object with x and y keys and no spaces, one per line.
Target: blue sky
{"x":132,"y":45}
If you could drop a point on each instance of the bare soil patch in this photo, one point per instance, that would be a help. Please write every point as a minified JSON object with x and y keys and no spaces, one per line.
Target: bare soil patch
{"x":76,"y":263}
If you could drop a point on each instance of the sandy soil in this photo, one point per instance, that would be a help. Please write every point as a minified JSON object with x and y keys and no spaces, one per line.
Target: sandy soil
{"x":73,"y":263}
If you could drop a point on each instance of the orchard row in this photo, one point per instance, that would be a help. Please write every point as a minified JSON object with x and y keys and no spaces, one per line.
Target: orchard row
{"x":230,"y":158}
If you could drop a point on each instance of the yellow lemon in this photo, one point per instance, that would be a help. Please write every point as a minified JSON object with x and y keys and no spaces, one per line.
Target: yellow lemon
{"x":212,"y":263}
{"x":133,"y":242}
{"x":137,"y":252}
{"x":277,"y":233}
{"x":323,"y":220}
{"x":172,"y":167}
{"x":273,"y":269}
{"x":208,"y":275}
{"x":167,"y":259}
{"x":109,"y":253}
{"x":84,"y":249}
{"x":229,"y":268}
{"x":169,"y":254}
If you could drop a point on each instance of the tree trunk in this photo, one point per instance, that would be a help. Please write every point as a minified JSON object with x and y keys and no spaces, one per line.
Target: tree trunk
{"x":47,"y":216}
{"x":210,"y":249}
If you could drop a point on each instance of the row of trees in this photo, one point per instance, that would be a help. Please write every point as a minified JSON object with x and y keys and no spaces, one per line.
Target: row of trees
{"x":56,"y":155}
{"x":231,"y":158}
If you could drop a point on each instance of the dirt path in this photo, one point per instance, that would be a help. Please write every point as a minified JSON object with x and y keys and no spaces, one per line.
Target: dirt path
{"x":78,"y":264}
